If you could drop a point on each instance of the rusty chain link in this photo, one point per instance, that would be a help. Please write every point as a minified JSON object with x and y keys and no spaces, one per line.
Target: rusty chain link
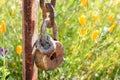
{"x":42,"y":3}
{"x":49,"y":8}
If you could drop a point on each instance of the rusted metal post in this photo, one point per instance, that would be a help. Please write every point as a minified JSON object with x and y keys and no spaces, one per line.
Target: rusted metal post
{"x":29,"y":29}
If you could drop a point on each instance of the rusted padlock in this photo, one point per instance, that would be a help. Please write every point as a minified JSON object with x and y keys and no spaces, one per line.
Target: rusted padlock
{"x":48,"y":62}
{"x":53,"y":58}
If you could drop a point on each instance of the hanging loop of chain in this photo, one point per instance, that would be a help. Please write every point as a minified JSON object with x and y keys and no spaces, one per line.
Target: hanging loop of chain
{"x":42,"y":3}
{"x":48,"y":8}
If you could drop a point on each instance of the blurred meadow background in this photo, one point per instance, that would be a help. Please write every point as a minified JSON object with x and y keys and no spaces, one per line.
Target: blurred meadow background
{"x":88,"y":29}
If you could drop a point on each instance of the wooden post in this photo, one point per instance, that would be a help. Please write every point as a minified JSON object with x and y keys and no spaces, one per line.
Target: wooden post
{"x":29,"y":35}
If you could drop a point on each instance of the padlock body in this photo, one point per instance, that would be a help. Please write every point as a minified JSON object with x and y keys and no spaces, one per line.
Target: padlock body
{"x":56,"y":59}
{"x":49,"y":62}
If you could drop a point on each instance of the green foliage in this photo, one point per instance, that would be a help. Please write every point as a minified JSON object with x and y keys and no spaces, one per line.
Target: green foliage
{"x":85,"y":58}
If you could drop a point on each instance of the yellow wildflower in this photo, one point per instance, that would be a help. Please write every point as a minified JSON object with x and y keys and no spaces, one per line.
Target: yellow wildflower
{"x":2,"y":1}
{"x":3,"y":26}
{"x":118,"y":2}
{"x":89,"y":55}
{"x":19,"y":49}
{"x":112,"y":26}
{"x":111,"y":16}
{"x":92,"y":65}
{"x":84,"y":2}
{"x":14,"y":64}
{"x":95,"y":34}
{"x":96,"y":17}
{"x":83,"y":31}
{"x":0,"y":30}
{"x":82,"y":19}
{"x":13,"y":12}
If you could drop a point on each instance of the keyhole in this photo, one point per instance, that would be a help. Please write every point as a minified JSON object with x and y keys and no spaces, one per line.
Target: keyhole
{"x":53,"y":56}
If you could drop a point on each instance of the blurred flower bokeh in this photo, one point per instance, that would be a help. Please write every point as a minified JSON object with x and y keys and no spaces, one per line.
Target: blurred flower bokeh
{"x":88,"y":29}
{"x":19,"y":49}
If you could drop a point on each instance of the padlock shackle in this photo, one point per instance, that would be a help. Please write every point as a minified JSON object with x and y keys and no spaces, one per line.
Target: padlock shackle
{"x":43,"y":31}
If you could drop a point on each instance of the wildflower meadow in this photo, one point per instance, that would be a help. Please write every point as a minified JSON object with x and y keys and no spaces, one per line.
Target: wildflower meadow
{"x":88,"y":29}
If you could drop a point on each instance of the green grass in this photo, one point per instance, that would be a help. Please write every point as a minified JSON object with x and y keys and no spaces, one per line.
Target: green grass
{"x":84,"y":59}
